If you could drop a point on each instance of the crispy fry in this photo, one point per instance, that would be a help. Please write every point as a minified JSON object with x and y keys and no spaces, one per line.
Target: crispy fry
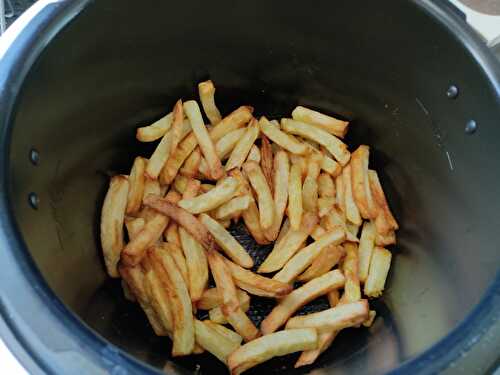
{"x":379,"y":268}
{"x":385,"y":221}
{"x":284,"y":230}
{"x":266,"y":162}
{"x":233,"y":208}
{"x":304,"y":257}
{"x":330,"y":166}
{"x":245,"y":278}
{"x":334,"y":219}
{"x":351,"y":209}
{"x":177,"y":121}
{"x":269,"y":346}
{"x":334,"y":145}
{"x":179,"y":259}
{"x":326,"y":260}
{"x":310,"y":186}
{"x":301,"y":161}
{"x":333,"y":297}
{"x":151,"y":187}
{"x":213,"y":342}
{"x":206,"y":143}
{"x":254,"y":154}
{"x":365,"y":249}
{"x":227,"y":333}
{"x":183,"y":330}
{"x":326,"y":186}
{"x":136,"y":185}
{"x":340,"y":191}
{"x":322,"y":121}
{"x":352,"y":291}
{"x":211,"y":299}
{"x":227,"y":290}
{"x":242,"y":148}
{"x":360,"y":183}
{"x":206,"y":91}
{"x":216,"y":314}
{"x":223,"y":192}
{"x":385,"y":239}
{"x":159,"y":298}
{"x":299,"y":297}
{"x":206,"y":187}
{"x":265,"y":198}
{"x":228,"y":243}
{"x":156,"y":130}
{"x":295,"y":196}
{"x":325,"y":206}
{"x":127,"y":292}
{"x":174,"y":162}
{"x":289,"y":245}
{"x":192,"y":188}
{"x":134,"y":225}
{"x":281,"y":174}
{"x":336,"y":318}
{"x":180,"y":183}
{"x":371,"y":317}
{"x":288,"y":142}
{"x":192,"y":164}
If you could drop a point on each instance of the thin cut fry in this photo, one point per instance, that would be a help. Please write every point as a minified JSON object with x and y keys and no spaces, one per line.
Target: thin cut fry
{"x":289,"y":245}
{"x":299,"y":297}
{"x":334,"y":145}
{"x":192,"y":188}
{"x":213,"y":342}
{"x":281,"y":174}
{"x":326,"y":186}
{"x":136,"y":188}
{"x":245,"y":278}
{"x":211,"y":299}
{"x":352,"y":291}
{"x":322,"y":121}
{"x":228,"y":243}
{"x":360,"y":183}
{"x":242,"y":148}
{"x":206,"y":143}
{"x":326,"y":260}
{"x":385,"y":221}
{"x":333,"y":319}
{"x":206,"y":91}
{"x":192,"y":164}
{"x":351,"y":209}
{"x":379,"y":268}
{"x":177,"y":121}
{"x":295,"y":196}
{"x":288,"y":142}
{"x":156,"y":130}
{"x":269,"y":346}
{"x":266,"y":162}
{"x":134,"y":226}
{"x":254,"y":154}
{"x":223,"y":192}
{"x":310,"y":186}
{"x":261,"y":187}
{"x":233,"y":208}
{"x":365,"y":250}
{"x":304,"y":257}
{"x":340,"y":190}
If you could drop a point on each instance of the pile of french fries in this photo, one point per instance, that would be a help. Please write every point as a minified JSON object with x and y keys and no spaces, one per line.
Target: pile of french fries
{"x":295,"y":184}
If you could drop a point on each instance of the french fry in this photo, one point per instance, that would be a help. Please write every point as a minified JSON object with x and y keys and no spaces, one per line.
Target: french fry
{"x":304,"y":257}
{"x":301,"y":162}
{"x":136,"y":185}
{"x":264,"y":196}
{"x":283,"y":231}
{"x":310,"y":186}
{"x":290,"y":243}
{"x":325,"y":206}
{"x":333,"y":319}
{"x":333,"y":297}
{"x":211,"y":299}
{"x":266,"y":162}
{"x":385,"y":239}
{"x":227,"y":333}
{"x":234,"y":120}
{"x":284,"y":140}
{"x":223,"y":192}
{"x":135,"y":250}
{"x":322,"y":121}
{"x":146,"y":213}
{"x":360,"y":183}
{"x":171,"y":234}
{"x":156,"y":130}
{"x":192,"y":164}
{"x":242,"y":148}
{"x":352,"y":291}
{"x":300,"y":297}
{"x":326,"y":260}
{"x":385,"y":221}
{"x":254,"y":154}
{"x":269,"y":346}
{"x":334,"y":145}
{"x":192,"y":189}
{"x":218,"y":317}
{"x":334,"y":219}
{"x":134,"y":225}
{"x":281,"y":174}
{"x":379,"y":268}
{"x":127,"y":292}
{"x":177,"y":122}
{"x":202,"y":136}
{"x":183,"y":218}
{"x":151,"y":187}
{"x":365,"y":250}
{"x":351,"y":209}
{"x":227,"y":290}
{"x":295,"y":207}
{"x":213,"y":342}
{"x":197,"y":265}
{"x":233,"y":208}
{"x":206,"y":91}
{"x":326,"y":186}
{"x":180,"y":183}
{"x":340,"y":192}
{"x":228,"y":243}
{"x":183,"y":324}
{"x":244,"y":278}
{"x":159,"y":298}
{"x":206,"y":187}
{"x":174,"y":162}
{"x":371,"y":317}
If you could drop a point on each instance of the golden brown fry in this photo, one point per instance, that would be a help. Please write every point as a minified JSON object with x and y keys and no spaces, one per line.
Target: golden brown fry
{"x":299,"y":297}
{"x":192,"y":189}
{"x":159,"y":298}
{"x":288,"y":142}
{"x":216,"y":314}
{"x":177,"y":122}
{"x":192,"y":164}
{"x":171,"y":234}
{"x":183,"y":218}
{"x":206,"y":187}
{"x":134,"y":225}
{"x":351,"y":209}
{"x":264,"y":196}
{"x":335,"y":219}
{"x":242,"y":148}
{"x":227,"y":333}
{"x":211,"y":299}
{"x":325,"y":206}
{"x":352,"y":291}
{"x":330,"y":166}
{"x":151,"y":187}
{"x":336,"y":318}
{"x":180,"y":183}
{"x":371,"y":317}
{"x":301,"y":162}
{"x":197,"y":265}
{"x":233,"y":208}
{"x":136,"y":185}
{"x":146,"y":213}
{"x":326,"y":260}
{"x":179,"y":259}
{"x":135,"y":250}
{"x":322,"y":121}
{"x":385,"y":221}
{"x":365,"y":250}
{"x":385,"y":239}
{"x":340,"y":191}
{"x":266,"y":162}
{"x":204,"y":140}
{"x":127,"y":292}
{"x":304,"y":257}
{"x":227,"y":290}
{"x":206,"y":90}
{"x":334,"y":145}
{"x":254,"y":154}
{"x":310,"y":186}
{"x":295,"y":197}
{"x":360,"y":183}
{"x":333,"y":297}
{"x":213,"y":342}
{"x":379,"y":268}
{"x":326,"y":186}
{"x":283,"y":231}
{"x":223,"y":192}
{"x":291,"y":242}
{"x":244,"y":278}
{"x":269,"y":346}
{"x":156,"y":130}
{"x":174,"y":162}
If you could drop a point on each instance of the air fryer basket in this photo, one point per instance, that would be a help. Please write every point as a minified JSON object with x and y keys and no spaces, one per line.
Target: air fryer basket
{"x":386,"y":67}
